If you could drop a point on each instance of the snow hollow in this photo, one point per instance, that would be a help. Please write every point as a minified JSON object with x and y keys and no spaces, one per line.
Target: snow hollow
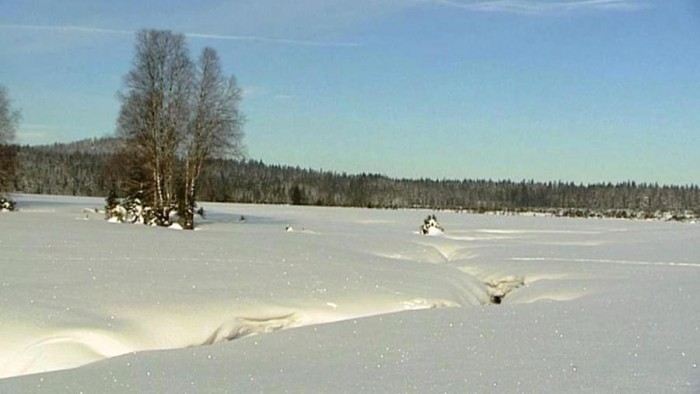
{"x":309,"y":299}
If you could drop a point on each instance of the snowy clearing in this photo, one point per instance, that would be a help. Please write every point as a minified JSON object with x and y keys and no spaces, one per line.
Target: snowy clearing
{"x":351,"y":300}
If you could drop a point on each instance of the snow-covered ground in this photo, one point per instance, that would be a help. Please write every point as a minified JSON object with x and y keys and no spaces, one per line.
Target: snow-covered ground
{"x":350,"y":300}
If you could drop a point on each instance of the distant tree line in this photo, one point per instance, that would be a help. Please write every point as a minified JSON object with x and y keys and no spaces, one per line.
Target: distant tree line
{"x":256,"y":182}
{"x":85,"y":169}
{"x":62,"y":169}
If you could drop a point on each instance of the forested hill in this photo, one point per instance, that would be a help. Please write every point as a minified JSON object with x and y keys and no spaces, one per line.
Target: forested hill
{"x":80,"y":168}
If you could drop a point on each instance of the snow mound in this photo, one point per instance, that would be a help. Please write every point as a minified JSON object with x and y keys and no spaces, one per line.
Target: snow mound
{"x":498,"y":289}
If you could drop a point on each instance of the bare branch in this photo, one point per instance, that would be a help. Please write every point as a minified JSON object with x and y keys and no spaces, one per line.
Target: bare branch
{"x":9,"y":118}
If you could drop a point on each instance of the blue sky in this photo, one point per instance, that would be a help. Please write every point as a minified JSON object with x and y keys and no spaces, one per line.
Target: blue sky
{"x":575,"y":90}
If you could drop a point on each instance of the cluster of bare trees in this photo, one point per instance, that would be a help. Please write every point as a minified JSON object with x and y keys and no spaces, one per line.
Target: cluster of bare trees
{"x":176,"y":114}
{"x":9,"y":120}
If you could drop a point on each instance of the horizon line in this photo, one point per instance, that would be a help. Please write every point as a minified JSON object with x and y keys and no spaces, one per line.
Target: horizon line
{"x":637,"y":182}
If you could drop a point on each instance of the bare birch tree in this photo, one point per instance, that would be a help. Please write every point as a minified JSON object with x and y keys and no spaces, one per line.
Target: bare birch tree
{"x":174,"y":117}
{"x":215,"y":128}
{"x":9,"y":120}
{"x":155,"y":112}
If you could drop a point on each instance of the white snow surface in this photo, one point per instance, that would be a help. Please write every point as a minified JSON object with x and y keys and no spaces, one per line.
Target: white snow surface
{"x":357,"y":302}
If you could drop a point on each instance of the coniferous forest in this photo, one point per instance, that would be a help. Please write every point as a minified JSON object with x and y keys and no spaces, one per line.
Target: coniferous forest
{"x":87,"y":168}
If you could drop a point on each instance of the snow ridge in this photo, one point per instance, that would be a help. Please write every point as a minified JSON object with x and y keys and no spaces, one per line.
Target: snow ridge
{"x":240,"y":327}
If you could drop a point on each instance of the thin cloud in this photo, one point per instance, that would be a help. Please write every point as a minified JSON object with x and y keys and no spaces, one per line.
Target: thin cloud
{"x":253,"y":91}
{"x":540,"y":7}
{"x":96,"y":30}
{"x":33,"y":133}
{"x":272,"y":40}
{"x":35,"y":126}
{"x":34,"y":137}
{"x":81,"y":29}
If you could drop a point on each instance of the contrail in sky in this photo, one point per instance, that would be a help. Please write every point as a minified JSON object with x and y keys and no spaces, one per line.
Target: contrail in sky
{"x":539,"y":7}
{"x":82,"y":29}
{"x":272,"y":40}
{"x":97,"y":30}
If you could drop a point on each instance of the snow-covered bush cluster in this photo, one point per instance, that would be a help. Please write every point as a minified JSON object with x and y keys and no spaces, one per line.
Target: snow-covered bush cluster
{"x":132,"y":210}
{"x":6,"y":205}
{"x":128,"y":210}
{"x":431,"y":226}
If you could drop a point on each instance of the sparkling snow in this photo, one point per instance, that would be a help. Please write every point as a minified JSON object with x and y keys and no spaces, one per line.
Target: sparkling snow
{"x":356,"y":300}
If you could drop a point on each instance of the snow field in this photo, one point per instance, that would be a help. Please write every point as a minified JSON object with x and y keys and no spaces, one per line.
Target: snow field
{"x":586,"y":305}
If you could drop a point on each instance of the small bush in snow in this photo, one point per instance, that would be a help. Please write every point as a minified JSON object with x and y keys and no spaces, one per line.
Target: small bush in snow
{"x":132,"y":210}
{"x":431,"y":226}
{"x":111,"y":208}
{"x":6,"y":205}
{"x":128,"y":210}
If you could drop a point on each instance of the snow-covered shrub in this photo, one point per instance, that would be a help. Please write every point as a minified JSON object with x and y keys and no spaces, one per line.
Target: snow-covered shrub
{"x":186,"y":218}
{"x":129,"y":210}
{"x":113,"y":210}
{"x":6,"y":205}
{"x":431,"y":226}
